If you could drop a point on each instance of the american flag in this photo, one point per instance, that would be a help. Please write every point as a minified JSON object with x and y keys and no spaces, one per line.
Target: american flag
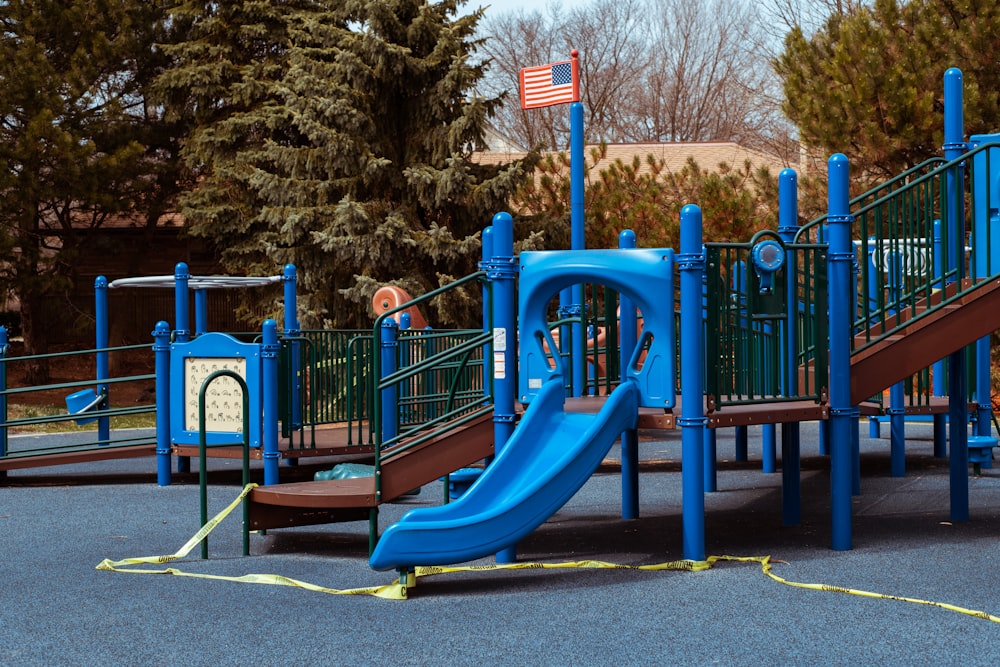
{"x":555,"y":83}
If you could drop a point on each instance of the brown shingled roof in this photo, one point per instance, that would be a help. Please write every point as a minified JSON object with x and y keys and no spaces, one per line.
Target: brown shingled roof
{"x":708,"y":155}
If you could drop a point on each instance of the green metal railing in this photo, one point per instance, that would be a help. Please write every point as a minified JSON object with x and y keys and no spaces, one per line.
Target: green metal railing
{"x":326,"y":379}
{"x":446,"y":381}
{"x":598,"y":319}
{"x":909,"y":268}
{"x":73,"y":440}
{"x":814,"y":230}
{"x":448,"y":366}
{"x":752,"y":332}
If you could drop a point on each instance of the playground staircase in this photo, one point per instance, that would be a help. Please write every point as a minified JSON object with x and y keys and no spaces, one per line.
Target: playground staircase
{"x":930,"y":331}
{"x":404,"y":467}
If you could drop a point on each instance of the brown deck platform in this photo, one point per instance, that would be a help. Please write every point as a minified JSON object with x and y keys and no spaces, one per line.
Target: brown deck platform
{"x":326,"y":440}
{"x":731,"y":415}
{"x":15,"y":462}
{"x":767,"y":413}
{"x":649,"y":418}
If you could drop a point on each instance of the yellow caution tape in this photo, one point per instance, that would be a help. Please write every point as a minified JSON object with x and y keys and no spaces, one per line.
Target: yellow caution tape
{"x":397,"y":590}
{"x":391,"y":591}
{"x":766,"y":563}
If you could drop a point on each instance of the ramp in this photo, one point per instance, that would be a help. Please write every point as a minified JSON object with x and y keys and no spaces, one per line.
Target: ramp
{"x":942,"y":329}
{"x":550,"y":456}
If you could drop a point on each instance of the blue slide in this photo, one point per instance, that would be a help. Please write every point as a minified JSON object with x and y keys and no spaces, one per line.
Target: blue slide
{"x":551,"y":455}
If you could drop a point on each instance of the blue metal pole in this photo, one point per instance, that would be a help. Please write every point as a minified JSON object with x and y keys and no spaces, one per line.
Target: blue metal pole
{"x":711,"y":446}
{"x":954,"y":222}
{"x":289,"y":280}
{"x":839,"y":265}
{"x":577,"y":241}
{"x":161,"y":353}
{"x":791,"y":465}
{"x":628,"y":334}
{"x":405,"y":359}
{"x":958,"y":436}
{"x":200,"y":311}
{"x":182,"y":333}
{"x":102,"y":343}
{"x":691,"y":264}
{"x":389,"y":340}
{"x":896,"y":411}
{"x":503,"y":272}
{"x":897,"y":434}
{"x":769,"y":448}
{"x":741,"y":436}
{"x":954,"y":146}
{"x":269,"y":421}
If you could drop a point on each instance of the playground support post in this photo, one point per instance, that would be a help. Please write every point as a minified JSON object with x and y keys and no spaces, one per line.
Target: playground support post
{"x":269,"y":349}
{"x":389,"y":399}
{"x":788,"y":226}
{"x":102,"y":340}
{"x":691,"y":264}
{"x":161,"y":352}
{"x":840,"y":261}
{"x":200,"y":311}
{"x":182,"y":331}
{"x":954,"y":222}
{"x":502,"y":271}
{"x":289,"y":281}
{"x":630,"y":438}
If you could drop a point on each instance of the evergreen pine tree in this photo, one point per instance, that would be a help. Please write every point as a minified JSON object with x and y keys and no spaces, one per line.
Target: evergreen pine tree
{"x":869,"y":83}
{"x":73,"y":144}
{"x":337,"y":136}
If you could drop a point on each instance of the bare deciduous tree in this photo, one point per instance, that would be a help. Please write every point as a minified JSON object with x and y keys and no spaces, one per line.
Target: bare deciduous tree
{"x":612,"y":40}
{"x":652,"y":71}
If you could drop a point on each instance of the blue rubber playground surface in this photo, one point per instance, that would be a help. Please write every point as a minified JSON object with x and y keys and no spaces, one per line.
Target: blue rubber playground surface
{"x":57,"y":524}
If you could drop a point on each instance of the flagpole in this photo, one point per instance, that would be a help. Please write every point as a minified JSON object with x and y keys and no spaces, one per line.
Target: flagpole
{"x":542,"y":86}
{"x":577,"y":235}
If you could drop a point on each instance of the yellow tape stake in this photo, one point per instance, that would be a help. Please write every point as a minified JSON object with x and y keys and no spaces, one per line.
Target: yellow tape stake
{"x":390,"y":592}
{"x":398,"y":590}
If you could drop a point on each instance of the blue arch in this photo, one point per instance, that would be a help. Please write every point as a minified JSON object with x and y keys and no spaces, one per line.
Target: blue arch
{"x":644,"y":275}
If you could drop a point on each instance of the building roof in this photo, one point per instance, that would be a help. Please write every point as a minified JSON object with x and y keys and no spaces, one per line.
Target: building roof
{"x":708,"y":155}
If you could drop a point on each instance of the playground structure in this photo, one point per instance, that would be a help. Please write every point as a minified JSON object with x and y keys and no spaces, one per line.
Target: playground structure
{"x":786,"y":346}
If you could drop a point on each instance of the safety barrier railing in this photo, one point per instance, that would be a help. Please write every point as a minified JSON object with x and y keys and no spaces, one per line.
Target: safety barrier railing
{"x":919,"y":248}
{"x":327,"y":376}
{"x":598,"y":322}
{"x":814,"y":230}
{"x":911,"y":244}
{"x":918,"y":388}
{"x":444,"y":364}
{"x":453,"y":380}
{"x":761,"y":317}
{"x":91,"y":422}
